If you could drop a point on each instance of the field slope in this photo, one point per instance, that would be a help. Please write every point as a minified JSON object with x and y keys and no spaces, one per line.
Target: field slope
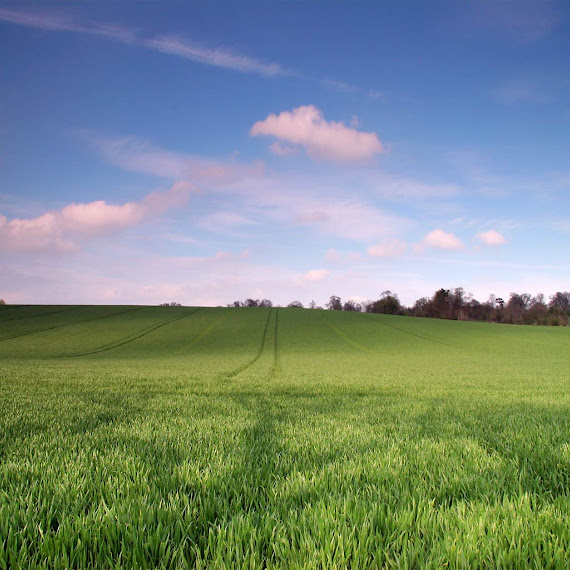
{"x":175,"y":437}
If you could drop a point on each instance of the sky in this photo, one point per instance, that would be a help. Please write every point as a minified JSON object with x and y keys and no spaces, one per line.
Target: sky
{"x":206,"y":152}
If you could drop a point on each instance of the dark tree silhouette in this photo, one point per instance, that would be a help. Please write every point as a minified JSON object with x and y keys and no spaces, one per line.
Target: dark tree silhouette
{"x":334,"y":304}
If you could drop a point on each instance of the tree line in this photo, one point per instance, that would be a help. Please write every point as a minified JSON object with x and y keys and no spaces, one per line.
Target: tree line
{"x":453,"y":304}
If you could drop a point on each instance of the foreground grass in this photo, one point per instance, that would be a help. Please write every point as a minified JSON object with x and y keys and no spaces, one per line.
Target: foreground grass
{"x":249,"y":438}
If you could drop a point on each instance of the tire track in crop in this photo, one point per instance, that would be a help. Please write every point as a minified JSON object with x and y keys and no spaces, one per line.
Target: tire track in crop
{"x":133,"y":336}
{"x":244,"y":367}
{"x":347,"y":338}
{"x":68,"y":324}
{"x":203,"y":334}
{"x":12,"y":307}
{"x":417,"y":335}
{"x":39,"y":314}
{"x":276,"y":369}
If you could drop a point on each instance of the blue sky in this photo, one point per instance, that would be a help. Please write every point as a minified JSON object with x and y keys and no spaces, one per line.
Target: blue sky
{"x":213,"y":151}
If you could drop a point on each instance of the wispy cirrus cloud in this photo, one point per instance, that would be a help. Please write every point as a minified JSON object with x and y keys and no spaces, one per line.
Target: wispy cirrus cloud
{"x":139,"y":155}
{"x":168,"y":44}
{"x":171,"y":45}
{"x":340,"y":86}
{"x":525,"y":21}
{"x":523,"y":90}
{"x":61,"y":231}
{"x":315,"y":200}
{"x":60,"y":22}
{"x":174,"y":45}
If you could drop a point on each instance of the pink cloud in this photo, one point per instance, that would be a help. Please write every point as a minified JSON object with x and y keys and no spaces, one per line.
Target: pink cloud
{"x":314,"y":217}
{"x":353,"y":219}
{"x":306,"y":126}
{"x":441,"y":240}
{"x":283,"y":149}
{"x":58,"y":230}
{"x":334,"y":256}
{"x":41,"y":234}
{"x":224,"y":220}
{"x":311,"y":276}
{"x":492,"y":238}
{"x":390,"y":248}
{"x":316,"y":275}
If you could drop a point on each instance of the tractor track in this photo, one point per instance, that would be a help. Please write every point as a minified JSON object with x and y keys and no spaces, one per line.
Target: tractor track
{"x":276,"y":364}
{"x":196,"y":339}
{"x":39,"y":314}
{"x":347,"y":338}
{"x":244,"y":367}
{"x":132,"y":337}
{"x":35,"y":331}
{"x":423,"y":337}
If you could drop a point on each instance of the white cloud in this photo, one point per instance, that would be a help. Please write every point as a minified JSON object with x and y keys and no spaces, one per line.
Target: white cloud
{"x":439,"y":239}
{"x":389,"y":248}
{"x":306,"y":126}
{"x":59,"y":230}
{"x":311,"y":277}
{"x":492,"y":238}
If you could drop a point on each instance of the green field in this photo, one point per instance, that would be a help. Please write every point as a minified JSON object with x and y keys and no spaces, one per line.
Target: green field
{"x":284,"y":438}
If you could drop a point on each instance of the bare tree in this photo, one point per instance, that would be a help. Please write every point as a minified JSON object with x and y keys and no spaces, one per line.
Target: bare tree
{"x":560,"y":302}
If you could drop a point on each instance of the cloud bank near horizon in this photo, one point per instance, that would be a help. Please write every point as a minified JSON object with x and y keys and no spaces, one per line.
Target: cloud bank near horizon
{"x":61,"y":231}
